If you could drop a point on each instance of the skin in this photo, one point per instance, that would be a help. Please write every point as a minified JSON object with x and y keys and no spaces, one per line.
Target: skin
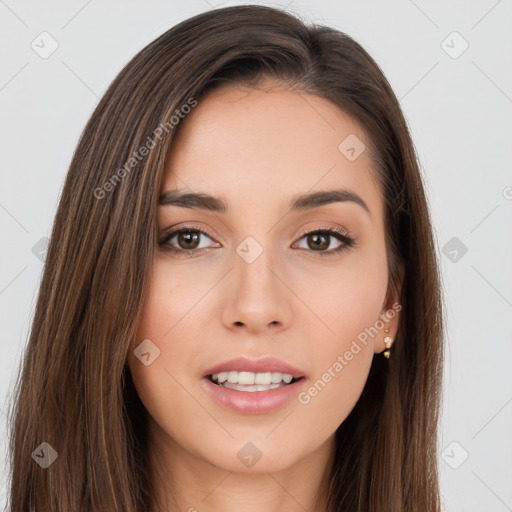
{"x":258,"y":148}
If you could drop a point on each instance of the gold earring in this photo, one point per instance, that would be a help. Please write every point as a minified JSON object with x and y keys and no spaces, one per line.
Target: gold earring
{"x":388,"y":341}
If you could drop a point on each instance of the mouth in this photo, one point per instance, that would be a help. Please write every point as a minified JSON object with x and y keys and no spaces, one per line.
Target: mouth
{"x":245,"y":392}
{"x":252,"y":382}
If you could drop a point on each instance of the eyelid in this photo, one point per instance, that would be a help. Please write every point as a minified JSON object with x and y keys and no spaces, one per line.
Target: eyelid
{"x":178,"y":227}
{"x":329,"y":227}
{"x":173,"y":230}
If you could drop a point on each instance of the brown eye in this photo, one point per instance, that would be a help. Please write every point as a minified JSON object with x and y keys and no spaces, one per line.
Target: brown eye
{"x":185,"y":241}
{"x":188,"y":239}
{"x":318,"y":241}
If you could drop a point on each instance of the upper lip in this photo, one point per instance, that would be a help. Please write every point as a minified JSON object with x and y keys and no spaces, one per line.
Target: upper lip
{"x":262,"y":365}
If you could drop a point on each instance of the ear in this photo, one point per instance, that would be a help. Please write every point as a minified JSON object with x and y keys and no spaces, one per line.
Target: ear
{"x":390,"y":313}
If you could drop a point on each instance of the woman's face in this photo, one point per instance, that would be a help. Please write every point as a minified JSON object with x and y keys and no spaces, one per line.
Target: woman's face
{"x":262,"y":282}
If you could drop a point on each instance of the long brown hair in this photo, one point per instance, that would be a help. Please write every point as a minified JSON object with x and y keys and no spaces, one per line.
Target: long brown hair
{"x":75,"y":390}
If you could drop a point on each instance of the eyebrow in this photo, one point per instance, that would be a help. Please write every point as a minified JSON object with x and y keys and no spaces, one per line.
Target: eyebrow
{"x":303,"y":202}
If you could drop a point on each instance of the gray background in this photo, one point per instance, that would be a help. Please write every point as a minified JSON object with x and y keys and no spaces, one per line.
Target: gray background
{"x":458,"y":106}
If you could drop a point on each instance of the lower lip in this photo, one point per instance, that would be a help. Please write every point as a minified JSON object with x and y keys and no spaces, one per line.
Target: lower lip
{"x":257,"y":402}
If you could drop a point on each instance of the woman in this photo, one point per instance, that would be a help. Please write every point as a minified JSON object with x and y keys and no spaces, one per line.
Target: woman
{"x":241,"y":305}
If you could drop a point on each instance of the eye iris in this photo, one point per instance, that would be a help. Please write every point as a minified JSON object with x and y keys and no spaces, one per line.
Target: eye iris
{"x":185,"y":237}
{"x":314,"y":238}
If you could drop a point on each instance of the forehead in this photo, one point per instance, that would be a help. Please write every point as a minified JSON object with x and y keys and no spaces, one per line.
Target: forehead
{"x":244,"y":143}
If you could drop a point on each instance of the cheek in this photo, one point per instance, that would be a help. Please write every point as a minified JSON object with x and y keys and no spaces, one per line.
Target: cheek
{"x":341,"y":363}
{"x":176,"y":416}
{"x":174,"y":298}
{"x":347,"y":302}
{"x":346,"y":297}
{"x":170,"y":314}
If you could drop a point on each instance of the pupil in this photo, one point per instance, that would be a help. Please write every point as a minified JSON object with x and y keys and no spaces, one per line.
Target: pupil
{"x":315,"y":238}
{"x":185,"y":237}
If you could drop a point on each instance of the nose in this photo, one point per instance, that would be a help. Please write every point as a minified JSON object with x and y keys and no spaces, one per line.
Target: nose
{"x":258,"y":298}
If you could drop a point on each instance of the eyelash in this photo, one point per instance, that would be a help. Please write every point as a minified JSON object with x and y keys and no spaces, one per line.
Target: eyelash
{"x":348,"y":242}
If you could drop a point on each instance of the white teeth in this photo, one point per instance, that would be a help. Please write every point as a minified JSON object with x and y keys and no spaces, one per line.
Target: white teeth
{"x":249,"y":378}
{"x":256,"y":387}
{"x":264,"y":378}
